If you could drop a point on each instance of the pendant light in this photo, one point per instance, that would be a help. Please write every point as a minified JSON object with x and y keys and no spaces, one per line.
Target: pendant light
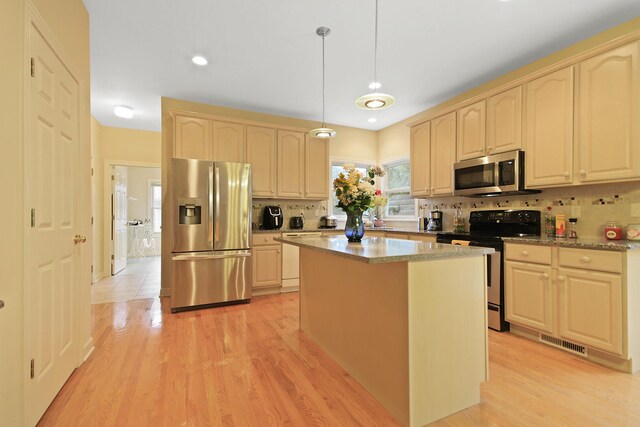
{"x":322,"y":132}
{"x":375,"y":100}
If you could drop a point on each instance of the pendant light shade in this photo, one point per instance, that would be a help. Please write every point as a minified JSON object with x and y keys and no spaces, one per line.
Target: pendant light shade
{"x":323,"y":131}
{"x":375,"y":100}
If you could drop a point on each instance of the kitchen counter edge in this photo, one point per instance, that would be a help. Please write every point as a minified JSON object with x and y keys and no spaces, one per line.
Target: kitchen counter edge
{"x":609,"y":245}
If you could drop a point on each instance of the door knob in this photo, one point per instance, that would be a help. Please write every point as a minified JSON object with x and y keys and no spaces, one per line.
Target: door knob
{"x":1,"y":304}
{"x":79,"y":238}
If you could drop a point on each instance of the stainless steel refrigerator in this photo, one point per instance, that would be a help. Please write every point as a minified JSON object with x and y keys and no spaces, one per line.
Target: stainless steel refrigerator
{"x":211,"y":249}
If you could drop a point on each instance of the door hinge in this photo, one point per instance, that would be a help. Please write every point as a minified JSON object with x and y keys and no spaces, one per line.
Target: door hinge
{"x":91,"y":171}
{"x":113,"y":178}
{"x":33,"y":67}
{"x":33,"y":368}
{"x":92,"y":269}
{"x":33,"y":218}
{"x":91,"y":220}
{"x":112,"y":258}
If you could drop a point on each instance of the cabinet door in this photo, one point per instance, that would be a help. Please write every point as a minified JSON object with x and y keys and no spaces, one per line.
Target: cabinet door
{"x":548,"y":134}
{"x":192,"y":138}
{"x":290,"y":164}
{"x":471,"y":131}
{"x":261,"y":153}
{"x":590,"y":309}
{"x":609,"y":116}
{"x":267,"y":265}
{"x":443,"y":154}
{"x":228,"y":142}
{"x":528,"y":295}
{"x":420,"y":159}
{"x":317,"y":181}
{"x":504,"y":121}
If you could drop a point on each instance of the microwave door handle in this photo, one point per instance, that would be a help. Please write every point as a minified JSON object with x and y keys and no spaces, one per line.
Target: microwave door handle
{"x":496,"y":174}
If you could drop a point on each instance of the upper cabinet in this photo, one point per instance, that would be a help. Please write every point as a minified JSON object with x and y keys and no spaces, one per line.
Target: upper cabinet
{"x":609,"y":116}
{"x":548,"y":129}
{"x":228,"y":143}
{"x":433,"y":153}
{"x":192,"y":138}
{"x":261,"y":153}
{"x":316,"y":154}
{"x":419,"y":159}
{"x":471,"y":131}
{"x":443,"y":154}
{"x":504,"y":121}
{"x":291,"y":164}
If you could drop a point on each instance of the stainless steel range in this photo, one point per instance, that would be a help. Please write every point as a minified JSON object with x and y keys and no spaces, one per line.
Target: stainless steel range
{"x":486,"y":229}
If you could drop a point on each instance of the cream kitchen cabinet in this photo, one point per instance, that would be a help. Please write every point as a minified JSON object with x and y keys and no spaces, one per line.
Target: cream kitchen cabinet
{"x":433,"y":152}
{"x":192,"y":138}
{"x":291,"y":164}
{"x":266,"y":256}
{"x":228,"y":142}
{"x":471,"y":131}
{"x":261,"y":153}
{"x":608,"y":116}
{"x":548,"y":129}
{"x":504,"y":121}
{"x":317,"y":178}
{"x":573,"y":294}
{"x":420,"y":159}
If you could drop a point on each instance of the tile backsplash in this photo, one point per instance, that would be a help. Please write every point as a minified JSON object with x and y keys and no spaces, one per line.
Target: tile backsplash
{"x":312,"y":210}
{"x":593,"y":205}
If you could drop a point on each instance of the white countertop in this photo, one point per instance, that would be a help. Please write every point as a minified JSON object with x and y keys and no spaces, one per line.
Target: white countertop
{"x":376,"y":250}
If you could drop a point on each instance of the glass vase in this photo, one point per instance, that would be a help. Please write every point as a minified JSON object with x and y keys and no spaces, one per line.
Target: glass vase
{"x":354,"y":228}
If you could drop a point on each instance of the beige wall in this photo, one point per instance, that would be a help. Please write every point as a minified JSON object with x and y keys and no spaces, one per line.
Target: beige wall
{"x":69,"y":24}
{"x":115,"y":146}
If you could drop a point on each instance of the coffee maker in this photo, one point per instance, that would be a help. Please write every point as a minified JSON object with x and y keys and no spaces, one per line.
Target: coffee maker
{"x":435,"y":221}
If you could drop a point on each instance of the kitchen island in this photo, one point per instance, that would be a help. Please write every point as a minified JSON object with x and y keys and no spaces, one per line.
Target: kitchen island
{"x":406,"y":319}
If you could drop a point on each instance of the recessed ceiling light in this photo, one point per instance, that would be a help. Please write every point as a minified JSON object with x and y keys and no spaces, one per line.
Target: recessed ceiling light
{"x":372,"y":120}
{"x":375,"y":85}
{"x":200,"y":60}
{"x":123,"y":111}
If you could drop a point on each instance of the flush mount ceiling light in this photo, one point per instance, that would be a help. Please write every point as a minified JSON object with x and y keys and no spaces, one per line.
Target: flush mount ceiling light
{"x":322,"y":132}
{"x":200,"y":60}
{"x":123,"y":111}
{"x":375,"y":100}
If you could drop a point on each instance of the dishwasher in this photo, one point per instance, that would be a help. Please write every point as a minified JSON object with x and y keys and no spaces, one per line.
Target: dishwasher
{"x":291,"y":263}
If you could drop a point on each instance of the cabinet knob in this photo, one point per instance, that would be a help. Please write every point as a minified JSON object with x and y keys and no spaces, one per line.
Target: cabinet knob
{"x":525,"y":253}
{"x":585,"y":259}
{"x":489,"y":147}
{"x":567,"y":174}
{"x":545,"y":275}
{"x":560,"y":278}
{"x":583,"y":172}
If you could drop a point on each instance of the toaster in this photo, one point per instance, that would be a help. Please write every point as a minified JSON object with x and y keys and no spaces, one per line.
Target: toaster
{"x":272,"y":218}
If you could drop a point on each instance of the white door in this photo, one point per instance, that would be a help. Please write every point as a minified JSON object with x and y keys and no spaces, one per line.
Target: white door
{"x":53,"y":257}
{"x":119,"y":215}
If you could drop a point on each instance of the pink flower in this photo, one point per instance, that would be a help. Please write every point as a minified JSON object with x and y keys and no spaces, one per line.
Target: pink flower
{"x":378,"y":192}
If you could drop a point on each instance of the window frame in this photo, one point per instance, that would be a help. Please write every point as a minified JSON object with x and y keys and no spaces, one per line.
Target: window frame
{"x":385,"y":191}
{"x":155,"y":183}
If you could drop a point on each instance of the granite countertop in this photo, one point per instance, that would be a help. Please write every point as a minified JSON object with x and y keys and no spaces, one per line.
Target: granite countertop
{"x":399,"y":230}
{"x":377,"y":250}
{"x":610,"y":245}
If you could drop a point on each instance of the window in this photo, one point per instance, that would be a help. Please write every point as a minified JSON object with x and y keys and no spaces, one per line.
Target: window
{"x":396,"y":186}
{"x":155,"y":199}
{"x":336,"y":168}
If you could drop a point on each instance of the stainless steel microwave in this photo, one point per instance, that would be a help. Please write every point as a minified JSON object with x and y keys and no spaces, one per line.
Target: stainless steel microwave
{"x":496,"y":175}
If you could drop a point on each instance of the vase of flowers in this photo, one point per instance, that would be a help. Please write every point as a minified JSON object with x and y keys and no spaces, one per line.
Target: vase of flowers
{"x":355,"y":192}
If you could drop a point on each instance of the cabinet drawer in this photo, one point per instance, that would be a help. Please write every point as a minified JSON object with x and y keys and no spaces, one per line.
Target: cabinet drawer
{"x":265,"y":239}
{"x":528,"y":253}
{"x":590,"y":259}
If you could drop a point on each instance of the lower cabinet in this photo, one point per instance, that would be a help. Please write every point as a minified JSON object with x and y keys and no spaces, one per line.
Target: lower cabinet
{"x":267,"y":264}
{"x":568,"y":295}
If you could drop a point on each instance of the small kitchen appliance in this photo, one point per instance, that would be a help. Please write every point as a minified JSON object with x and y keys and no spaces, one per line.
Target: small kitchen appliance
{"x":486,"y":229}
{"x":272,"y":218}
{"x":435,"y":221}
{"x":329,"y":221}
{"x":296,"y":222}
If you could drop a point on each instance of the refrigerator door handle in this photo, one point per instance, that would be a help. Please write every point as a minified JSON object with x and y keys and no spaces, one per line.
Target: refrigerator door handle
{"x":189,"y":257}
{"x":211,"y":206}
{"x":216,"y":206}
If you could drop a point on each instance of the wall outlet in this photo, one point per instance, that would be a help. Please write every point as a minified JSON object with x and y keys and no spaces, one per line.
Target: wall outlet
{"x":635,"y":209}
{"x":575,"y":211}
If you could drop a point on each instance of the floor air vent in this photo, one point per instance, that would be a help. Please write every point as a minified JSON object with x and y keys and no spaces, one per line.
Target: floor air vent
{"x":580,"y":350}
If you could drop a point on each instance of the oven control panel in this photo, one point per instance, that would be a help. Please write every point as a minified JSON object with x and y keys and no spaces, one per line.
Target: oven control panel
{"x":504,"y":217}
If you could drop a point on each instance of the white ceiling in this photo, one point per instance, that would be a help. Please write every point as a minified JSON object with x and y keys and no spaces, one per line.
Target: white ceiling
{"x":265,"y":55}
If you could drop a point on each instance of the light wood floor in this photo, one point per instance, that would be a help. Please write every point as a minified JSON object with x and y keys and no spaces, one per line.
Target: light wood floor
{"x":249,"y":365}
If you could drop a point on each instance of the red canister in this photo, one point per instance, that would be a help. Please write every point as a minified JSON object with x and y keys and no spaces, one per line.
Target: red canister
{"x":613,"y":230}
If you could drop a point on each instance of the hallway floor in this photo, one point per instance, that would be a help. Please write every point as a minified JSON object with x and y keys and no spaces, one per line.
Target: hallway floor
{"x":140,"y":279}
